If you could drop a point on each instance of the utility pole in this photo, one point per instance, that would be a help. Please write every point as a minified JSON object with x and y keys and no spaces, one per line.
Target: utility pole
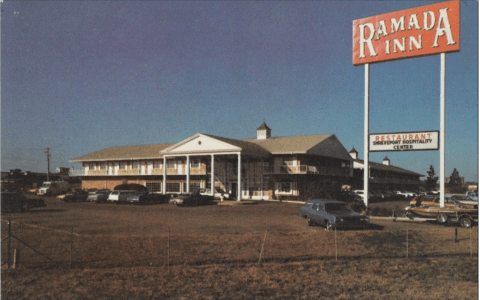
{"x":48,"y":163}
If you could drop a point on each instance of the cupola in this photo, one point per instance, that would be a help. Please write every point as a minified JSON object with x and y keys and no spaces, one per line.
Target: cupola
{"x":353,"y":153}
{"x":386,"y":161}
{"x":263,"y":132}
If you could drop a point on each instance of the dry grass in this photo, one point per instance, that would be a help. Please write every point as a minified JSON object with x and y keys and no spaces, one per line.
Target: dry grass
{"x":422,"y":278}
{"x":216,"y":262}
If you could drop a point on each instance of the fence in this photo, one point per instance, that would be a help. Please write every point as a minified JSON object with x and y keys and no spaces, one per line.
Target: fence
{"x":30,"y":246}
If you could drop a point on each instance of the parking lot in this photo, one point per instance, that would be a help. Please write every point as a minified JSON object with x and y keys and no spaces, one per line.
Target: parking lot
{"x":126,"y":219}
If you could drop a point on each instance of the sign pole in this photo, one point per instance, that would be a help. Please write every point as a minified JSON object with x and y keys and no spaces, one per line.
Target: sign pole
{"x":442,"y":130}
{"x":365,"y":137}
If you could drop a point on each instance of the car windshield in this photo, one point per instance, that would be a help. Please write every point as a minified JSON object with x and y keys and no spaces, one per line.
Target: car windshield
{"x":337,"y":208}
{"x":46,"y":185}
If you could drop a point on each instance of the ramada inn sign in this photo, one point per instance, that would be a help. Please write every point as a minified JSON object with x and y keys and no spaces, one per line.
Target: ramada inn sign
{"x":426,"y":30}
{"x":412,"y":32}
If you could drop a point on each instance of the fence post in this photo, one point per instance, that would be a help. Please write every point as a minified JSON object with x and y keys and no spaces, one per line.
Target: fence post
{"x":407,"y":242}
{"x":471,"y":250}
{"x":168,"y":251}
{"x":456,"y":235}
{"x":16,"y":258}
{"x":336,"y":249}
{"x":9,"y":242}
{"x":71,"y":246}
{"x":263,"y":245}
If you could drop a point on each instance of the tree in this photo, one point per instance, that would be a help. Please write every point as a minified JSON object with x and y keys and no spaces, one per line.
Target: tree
{"x":431,"y":182}
{"x":455,"y":183}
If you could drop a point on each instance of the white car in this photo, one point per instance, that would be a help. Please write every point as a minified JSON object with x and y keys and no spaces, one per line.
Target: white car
{"x":219,"y":193}
{"x":119,"y":195}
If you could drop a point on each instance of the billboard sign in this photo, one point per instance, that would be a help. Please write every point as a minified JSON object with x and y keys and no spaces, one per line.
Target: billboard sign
{"x":404,"y":141}
{"x":419,"y":31}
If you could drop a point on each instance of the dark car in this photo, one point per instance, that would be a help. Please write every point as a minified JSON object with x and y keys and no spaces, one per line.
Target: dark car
{"x":99,"y":196}
{"x":150,"y":198}
{"x":332,"y":214}
{"x":16,"y":202}
{"x":76,"y":196}
{"x":191,"y":200}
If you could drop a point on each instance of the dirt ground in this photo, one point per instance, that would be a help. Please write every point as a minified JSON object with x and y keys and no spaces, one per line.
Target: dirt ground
{"x":256,"y":251}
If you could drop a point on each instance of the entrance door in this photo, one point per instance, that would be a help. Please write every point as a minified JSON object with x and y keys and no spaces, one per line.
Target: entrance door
{"x":233,"y":190}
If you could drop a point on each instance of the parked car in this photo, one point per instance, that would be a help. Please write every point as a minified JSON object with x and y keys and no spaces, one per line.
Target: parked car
{"x":119,"y":195}
{"x":332,"y":214}
{"x":361,"y":193}
{"x":219,"y":193}
{"x":132,"y":197}
{"x":99,"y":196}
{"x":16,"y":202}
{"x":150,"y":198}
{"x":191,"y":200}
{"x":76,"y":196}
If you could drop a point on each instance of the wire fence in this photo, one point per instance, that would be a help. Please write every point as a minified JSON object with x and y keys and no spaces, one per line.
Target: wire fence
{"x":31,"y":246}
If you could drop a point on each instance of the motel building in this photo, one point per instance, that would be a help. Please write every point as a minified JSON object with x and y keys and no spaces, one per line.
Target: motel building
{"x":384,"y":176}
{"x":296,"y":167}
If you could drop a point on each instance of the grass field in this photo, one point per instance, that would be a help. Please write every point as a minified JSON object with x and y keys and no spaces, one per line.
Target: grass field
{"x":262,"y":251}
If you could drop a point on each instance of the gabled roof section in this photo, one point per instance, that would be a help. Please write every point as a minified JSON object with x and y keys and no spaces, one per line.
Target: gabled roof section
{"x":387,"y":168}
{"x":206,"y":143}
{"x":124,"y":153}
{"x":324,"y":145}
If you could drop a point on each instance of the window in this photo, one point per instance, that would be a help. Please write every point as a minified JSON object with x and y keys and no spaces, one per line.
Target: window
{"x":158,"y":164}
{"x":289,"y":163}
{"x":122,"y":165}
{"x":91,"y":166}
{"x":173,"y":187}
{"x":195,"y":164}
{"x":171,"y":164}
{"x":285,"y":187}
{"x":194,"y":187}
{"x":136,"y":165}
{"x":103,"y":166}
{"x":154,"y":187}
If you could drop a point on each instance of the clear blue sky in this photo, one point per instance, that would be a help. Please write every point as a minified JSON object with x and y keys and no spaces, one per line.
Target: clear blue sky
{"x":81,"y":76}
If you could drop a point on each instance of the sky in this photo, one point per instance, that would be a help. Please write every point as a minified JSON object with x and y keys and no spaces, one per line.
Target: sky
{"x":82,"y":76}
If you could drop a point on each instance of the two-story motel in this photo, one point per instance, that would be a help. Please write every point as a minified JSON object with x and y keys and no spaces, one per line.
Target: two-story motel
{"x":296,"y":167}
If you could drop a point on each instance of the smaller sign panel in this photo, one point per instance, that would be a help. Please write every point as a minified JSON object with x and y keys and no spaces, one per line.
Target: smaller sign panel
{"x":404,"y":141}
{"x":425,"y":30}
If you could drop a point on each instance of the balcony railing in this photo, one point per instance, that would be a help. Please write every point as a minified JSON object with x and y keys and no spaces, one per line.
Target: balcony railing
{"x":305,"y":169}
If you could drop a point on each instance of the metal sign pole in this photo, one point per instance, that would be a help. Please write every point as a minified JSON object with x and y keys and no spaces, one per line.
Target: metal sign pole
{"x":366,"y":127}
{"x":442,"y":130}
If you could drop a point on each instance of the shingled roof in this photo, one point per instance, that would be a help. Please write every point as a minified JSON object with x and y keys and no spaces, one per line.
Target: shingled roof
{"x":124,"y":153}
{"x":387,"y":168}
{"x":323,"y":145}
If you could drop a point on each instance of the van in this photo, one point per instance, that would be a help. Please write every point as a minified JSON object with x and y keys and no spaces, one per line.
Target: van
{"x":52,"y":188}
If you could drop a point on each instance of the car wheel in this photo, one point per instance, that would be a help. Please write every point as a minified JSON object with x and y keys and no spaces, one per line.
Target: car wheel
{"x":442,"y":218}
{"x":465,"y":222}
{"x":328,"y":226}
{"x":309,"y":222}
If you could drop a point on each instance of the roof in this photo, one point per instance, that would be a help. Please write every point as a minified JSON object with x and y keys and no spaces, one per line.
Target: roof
{"x":322,"y":145}
{"x":124,"y":153}
{"x":263,"y":126}
{"x":387,"y":168}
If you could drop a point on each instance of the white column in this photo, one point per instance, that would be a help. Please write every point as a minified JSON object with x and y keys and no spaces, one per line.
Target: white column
{"x":239,"y":179}
{"x":366,"y":127}
{"x":442,"y":130}
{"x":164,"y":175}
{"x":188,"y":174}
{"x":212,"y":179}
